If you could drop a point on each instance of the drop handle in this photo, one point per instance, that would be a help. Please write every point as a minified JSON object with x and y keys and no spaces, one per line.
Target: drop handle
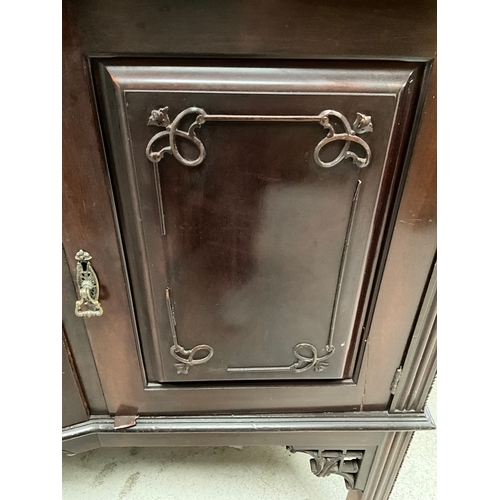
{"x":88,"y":287}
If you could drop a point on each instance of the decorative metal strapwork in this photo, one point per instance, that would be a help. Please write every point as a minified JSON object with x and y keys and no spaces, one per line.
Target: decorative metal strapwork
{"x":159,"y":117}
{"x":184,"y":356}
{"x":306,"y":354}
{"x":305,"y":361}
{"x":327,"y":462}
{"x":88,"y":287}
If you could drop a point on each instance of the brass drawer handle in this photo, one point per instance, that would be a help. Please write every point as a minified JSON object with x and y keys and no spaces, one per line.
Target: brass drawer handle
{"x":88,"y":287}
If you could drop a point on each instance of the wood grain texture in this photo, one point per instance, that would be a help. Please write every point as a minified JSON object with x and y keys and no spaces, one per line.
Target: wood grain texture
{"x":411,"y":254}
{"x":73,"y":405}
{"x":387,"y":29}
{"x":420,"y":363}
{"x":88,"y":224}
{"x":78,"y":342}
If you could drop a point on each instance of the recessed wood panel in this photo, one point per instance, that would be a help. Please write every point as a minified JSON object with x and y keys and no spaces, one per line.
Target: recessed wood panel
{"x":268,"y":257}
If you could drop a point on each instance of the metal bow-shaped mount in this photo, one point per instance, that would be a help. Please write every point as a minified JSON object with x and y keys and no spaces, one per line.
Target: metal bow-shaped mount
{"x":184,"y":356}
{"x":187,"y":359}
{"x":311,"y":360}
{"x":362,"y":125}
{"x":160,"y":118}
{"x":305,"y":361}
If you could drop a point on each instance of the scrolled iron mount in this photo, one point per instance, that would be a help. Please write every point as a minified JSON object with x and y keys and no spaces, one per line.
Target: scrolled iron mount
{"x":160,"y":118}
{"x":306,"y":354}
{"x":185,"y":357}
{"x":306,"y":358}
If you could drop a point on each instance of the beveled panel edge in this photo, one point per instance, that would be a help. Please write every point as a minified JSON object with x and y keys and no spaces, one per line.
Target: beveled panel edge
{"x":411,"y":253}
{"x":113,"y":127}
{"x":264,"y":76}
{"x":129,"y":75}
{"x":407,"y":113}
{"x":327,"y":422}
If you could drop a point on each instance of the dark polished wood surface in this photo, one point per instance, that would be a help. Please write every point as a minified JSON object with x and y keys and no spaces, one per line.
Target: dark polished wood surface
{"x":394,"y":30}
{"x":413,"y":247}
{"x":74,"y":406}
{"x":88,"y":224}
{"x":255,"y":235}
{"x":78,"y":343}
{"x":230,"y":229}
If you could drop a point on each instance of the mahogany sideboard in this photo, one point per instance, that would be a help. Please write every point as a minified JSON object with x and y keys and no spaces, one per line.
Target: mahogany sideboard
{"x":249,"y":228}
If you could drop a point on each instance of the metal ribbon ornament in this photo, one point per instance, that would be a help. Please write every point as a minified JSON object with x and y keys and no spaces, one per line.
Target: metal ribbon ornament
{"x":159,"y":118}
{"x":184,"y":356}
{"x":305,"y":353}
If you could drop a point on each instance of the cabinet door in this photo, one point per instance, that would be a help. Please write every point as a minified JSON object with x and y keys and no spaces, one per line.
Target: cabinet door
{"x":253,"y":200}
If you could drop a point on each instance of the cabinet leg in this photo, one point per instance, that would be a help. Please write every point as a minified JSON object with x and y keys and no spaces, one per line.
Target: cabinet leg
{"x":354,"y":495}
{"x":385,"y":467}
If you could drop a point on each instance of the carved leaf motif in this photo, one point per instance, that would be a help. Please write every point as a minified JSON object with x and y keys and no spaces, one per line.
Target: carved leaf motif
{"x":327,"y":462}
{"x":323,"y":467}
{"x":159,"y":117}
{"x":321,"y":366}
{"x":363,"y":124}
{"x":83,"y":256}
{"x":182,"y":369}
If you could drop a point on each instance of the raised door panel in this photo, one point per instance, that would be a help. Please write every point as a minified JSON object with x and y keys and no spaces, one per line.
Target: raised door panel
{"x":253,"y":201}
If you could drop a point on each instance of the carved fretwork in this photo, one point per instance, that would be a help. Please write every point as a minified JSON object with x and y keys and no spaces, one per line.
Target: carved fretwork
{"x":326,"y":462}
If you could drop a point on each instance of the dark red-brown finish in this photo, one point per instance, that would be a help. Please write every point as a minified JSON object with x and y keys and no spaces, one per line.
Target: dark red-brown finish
{"x":74,"y":406}
{"x":381,"y":29}
{"x":390,"y":30}
{"x":255,"y":234}
{"x":88,"y":224}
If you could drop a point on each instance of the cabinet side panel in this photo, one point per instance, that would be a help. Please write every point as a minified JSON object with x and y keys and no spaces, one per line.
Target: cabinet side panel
{"x":74,"y":408}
